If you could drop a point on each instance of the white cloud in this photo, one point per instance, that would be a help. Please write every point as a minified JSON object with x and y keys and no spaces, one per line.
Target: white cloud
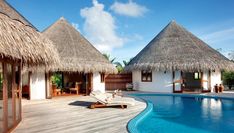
{"x":100,"y":28}
{"x":131,"y":9}
{"x":219,"y":36}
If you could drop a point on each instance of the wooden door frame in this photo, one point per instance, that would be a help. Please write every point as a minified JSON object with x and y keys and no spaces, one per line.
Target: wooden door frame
{"x":89,"y":87}
{"x":5,"y":93}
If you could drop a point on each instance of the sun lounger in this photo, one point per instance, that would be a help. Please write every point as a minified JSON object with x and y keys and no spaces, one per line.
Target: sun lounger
{"x":104,"y":100}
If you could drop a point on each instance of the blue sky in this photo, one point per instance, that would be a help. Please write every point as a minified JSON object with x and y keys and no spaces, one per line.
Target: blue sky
{"x":123,"y":27}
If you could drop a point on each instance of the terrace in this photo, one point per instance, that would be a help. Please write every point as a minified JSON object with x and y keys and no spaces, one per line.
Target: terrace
{"x":70,"y":114}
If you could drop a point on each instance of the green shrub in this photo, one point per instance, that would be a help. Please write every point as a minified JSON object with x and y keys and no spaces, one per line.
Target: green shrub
{"x":56,"y":79}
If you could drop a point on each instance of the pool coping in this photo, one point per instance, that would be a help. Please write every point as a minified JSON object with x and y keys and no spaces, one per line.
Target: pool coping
{"x":131,"y":125}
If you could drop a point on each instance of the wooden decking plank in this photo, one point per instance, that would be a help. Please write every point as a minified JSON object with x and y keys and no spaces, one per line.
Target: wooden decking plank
{"x":70,"y":114}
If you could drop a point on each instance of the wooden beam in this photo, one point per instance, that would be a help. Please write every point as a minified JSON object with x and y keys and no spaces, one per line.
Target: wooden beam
{"x":210,"y":87}
{"x":182,"y":87}
{"x":5,"y":98}
{"x":173,"y":80}
{"x":13,"y":91}
{"x":29,"y":84}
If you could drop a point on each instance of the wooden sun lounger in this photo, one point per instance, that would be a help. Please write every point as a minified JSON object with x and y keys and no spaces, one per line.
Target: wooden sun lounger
{"x":103,"y":102}
{"x":101,"y":105}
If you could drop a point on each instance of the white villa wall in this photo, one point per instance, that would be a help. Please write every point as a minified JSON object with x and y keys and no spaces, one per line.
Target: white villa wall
{"x":161,"y":82}
{"x":97,"y":85}
{"x":205,"y":77}
{"x":177,"y":77}
{"x":37,"y":86}
{"x":215,"y":79}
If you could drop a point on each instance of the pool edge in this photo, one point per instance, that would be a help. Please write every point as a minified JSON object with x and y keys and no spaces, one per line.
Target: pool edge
{"x":131,"y":125}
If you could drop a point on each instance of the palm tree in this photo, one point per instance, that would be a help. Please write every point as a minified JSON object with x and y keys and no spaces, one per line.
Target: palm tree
{"x":120,"y":67}
{"x":107,"y":56}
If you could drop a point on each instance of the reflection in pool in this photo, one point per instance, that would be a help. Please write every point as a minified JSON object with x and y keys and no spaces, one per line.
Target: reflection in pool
{"x":183,"y":114}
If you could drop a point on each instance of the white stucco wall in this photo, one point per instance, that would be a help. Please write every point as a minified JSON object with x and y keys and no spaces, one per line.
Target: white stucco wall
{"x":177,"y":77}
{"x":37,"y":86}
{"x":215,"y":79}
{"x":97,"y":85}
{"x":161,"y":82}
{"x":205,"y":77}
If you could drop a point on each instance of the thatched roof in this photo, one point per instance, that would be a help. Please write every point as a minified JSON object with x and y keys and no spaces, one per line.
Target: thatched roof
{"x":76,"y":53}
{"x":175,"y":48}
{"x":19,"y":41}
{"x":10,"y":11}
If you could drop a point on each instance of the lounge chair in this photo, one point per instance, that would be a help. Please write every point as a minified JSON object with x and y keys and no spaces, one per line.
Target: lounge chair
{"x":106,"y":99}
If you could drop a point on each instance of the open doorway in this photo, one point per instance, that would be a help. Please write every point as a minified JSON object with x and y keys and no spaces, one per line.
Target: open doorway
{"x":26,"y":85}
{"x":192,"y":81}
{"x":64,"y":84}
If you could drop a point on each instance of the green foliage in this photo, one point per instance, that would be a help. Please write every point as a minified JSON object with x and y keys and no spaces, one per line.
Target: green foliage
{"x":228,"y":78}
{"x":107,"y":56}
{"x":56,"y":79}
{"x":120,"y":67}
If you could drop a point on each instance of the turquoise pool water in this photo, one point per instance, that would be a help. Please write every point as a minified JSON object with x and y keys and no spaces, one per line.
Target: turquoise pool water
{"x":184,"y":114}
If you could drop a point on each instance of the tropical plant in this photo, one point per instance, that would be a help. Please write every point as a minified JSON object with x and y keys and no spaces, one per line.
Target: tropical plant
{"x":228,"y":78}
{"x":120,"y":67}
{"x":56,"y":79}
{"x":108,"y":57}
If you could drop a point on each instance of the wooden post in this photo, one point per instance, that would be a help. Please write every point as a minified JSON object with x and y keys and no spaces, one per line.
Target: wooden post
{"x":13,"y":90}
{"x":202,"y":82}
{"x":48,"y":93}
{"x":5,"y":98}
{"x":173,"y":80}
{"x":89,"y":87}
{"x":20,"y":90}
{"x":209,"y":80}
{"x":182,"y":87}
{"x":29,"y":85}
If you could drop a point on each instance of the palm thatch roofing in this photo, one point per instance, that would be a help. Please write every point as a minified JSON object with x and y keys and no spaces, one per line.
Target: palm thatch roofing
{"x":19,"y":41}
{"x":76,"y":53}
{"x":175,"y":48}
{"x":10,"y":11}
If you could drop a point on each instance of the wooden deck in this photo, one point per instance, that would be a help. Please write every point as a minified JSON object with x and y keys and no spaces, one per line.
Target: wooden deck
{"x":70,"y":114}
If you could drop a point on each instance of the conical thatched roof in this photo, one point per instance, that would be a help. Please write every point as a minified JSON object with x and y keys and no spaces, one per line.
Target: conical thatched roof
{"x":18,"y":41}
{"x":10,"y":11}
{"x":175,"y":48}
{"x":76,"y":53}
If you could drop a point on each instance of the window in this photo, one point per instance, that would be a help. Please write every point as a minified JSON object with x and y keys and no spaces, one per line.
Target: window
{"x":197,"y":75}
{"x":102,"y":77}
{"x":146,"y":76}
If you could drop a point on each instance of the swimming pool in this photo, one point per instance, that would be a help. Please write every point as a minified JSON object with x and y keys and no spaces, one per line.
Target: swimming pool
{"x":184,"y":114}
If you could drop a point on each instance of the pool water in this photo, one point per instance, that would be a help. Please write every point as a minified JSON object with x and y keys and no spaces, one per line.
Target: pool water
{"x":184,"y":114}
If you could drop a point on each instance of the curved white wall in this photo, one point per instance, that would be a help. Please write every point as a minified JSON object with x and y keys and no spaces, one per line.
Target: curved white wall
{"x":97,"y":85}
{"x":177,"y":77}
{"x":161,"y":82}
{"x":37,"y":86}
{"x":215,"y":79}
{"x":205,"y":78}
